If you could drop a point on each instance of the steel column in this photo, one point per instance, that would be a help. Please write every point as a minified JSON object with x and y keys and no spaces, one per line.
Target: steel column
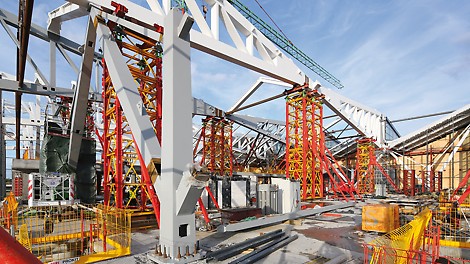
{"x":176,"y":185}
{"x":80,"y":100}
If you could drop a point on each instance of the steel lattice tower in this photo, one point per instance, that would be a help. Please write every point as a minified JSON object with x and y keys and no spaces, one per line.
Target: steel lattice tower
{"x":217,"y":146}
{"x":365,"y":172}
{"x":305,"y":143}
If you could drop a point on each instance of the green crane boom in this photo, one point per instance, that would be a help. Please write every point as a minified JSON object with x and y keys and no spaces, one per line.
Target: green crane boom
{"x":285,"y":44}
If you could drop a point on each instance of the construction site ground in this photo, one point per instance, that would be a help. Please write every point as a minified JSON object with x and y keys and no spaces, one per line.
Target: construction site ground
{"x":329,"y":238}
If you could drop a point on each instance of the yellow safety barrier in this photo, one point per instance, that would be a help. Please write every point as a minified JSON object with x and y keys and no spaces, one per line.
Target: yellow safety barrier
{"x":402,"y":241}
{"x":76,"y":234}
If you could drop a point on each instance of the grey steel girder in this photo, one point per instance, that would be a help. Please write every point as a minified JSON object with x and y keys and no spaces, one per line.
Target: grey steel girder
{"x":204,"y":109}
{"x":80,"y":100}
{"x":265,"y":221}
{"x":36,"y":88}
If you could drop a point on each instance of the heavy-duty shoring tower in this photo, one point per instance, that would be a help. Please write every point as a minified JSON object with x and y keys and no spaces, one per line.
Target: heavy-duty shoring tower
{"x":305,"y":141}
{"x":366,"y":166}
{"x":307,"y":157}
{"x":124,"y":185}
{"x":217,"y":158}
{"x":217,"y":146}
{"x":365,"y":173}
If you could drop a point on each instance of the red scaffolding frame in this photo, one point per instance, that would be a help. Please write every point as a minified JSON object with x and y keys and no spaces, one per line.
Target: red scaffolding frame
{"x":217,"y":138}
{"x":307,"y":157}
{"x":124,"y":185}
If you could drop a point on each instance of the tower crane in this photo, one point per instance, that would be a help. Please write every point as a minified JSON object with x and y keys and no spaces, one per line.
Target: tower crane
{"x":285,"y":44}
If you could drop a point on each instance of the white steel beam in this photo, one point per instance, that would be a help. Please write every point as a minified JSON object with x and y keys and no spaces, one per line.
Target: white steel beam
{"x":65,"y":12}
{"x":253,"y":89}
{"x":136,"y":11}
{"x":270,"y":62}
{"x":366,"y":121}
{"x":30,"y":60}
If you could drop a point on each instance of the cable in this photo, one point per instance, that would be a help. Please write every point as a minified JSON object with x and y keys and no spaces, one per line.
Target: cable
{"x":280,"y":30}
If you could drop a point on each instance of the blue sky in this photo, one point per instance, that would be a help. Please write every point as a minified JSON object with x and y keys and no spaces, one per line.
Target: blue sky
{"x":403,"y":58}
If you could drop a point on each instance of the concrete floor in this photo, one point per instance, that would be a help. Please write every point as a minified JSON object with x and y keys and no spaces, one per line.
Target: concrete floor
{"x":321,"y":239}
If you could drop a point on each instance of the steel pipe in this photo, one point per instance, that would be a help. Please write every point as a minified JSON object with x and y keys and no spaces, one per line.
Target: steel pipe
{"x":233,"y":250}
{"x":265,"y":250}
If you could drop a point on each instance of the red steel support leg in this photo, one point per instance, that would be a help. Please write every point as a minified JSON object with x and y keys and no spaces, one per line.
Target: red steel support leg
{"x":432,"y":181}
{"x":149,"y":186}
{"x":204,"y":211}
{"x":106,"y":161}
{"x":405,"y":182}
{"x":423,"y":181}
{"x":317,"y":130}
{"x":212,"y":197}
{"x":413,"y":183}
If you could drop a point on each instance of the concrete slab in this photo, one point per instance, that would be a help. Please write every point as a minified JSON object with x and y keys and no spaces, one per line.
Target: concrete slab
{"x":25,"y":166}
{"x":303,"y":250}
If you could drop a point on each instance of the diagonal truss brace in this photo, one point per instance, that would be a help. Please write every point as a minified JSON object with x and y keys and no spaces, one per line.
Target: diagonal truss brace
{"x":129,"y":97}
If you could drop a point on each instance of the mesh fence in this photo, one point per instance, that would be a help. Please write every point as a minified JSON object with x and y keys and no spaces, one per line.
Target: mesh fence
{"x":454,"y":222}
{"x":75,"y":233}
{"x":393,"y":247}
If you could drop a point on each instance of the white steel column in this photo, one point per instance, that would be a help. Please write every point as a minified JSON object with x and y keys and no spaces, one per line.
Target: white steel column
{"x":178,"y":190}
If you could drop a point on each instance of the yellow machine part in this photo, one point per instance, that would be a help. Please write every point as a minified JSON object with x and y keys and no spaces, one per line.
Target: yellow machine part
{"x":10,"y":209}
{"x":380,"y":217}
